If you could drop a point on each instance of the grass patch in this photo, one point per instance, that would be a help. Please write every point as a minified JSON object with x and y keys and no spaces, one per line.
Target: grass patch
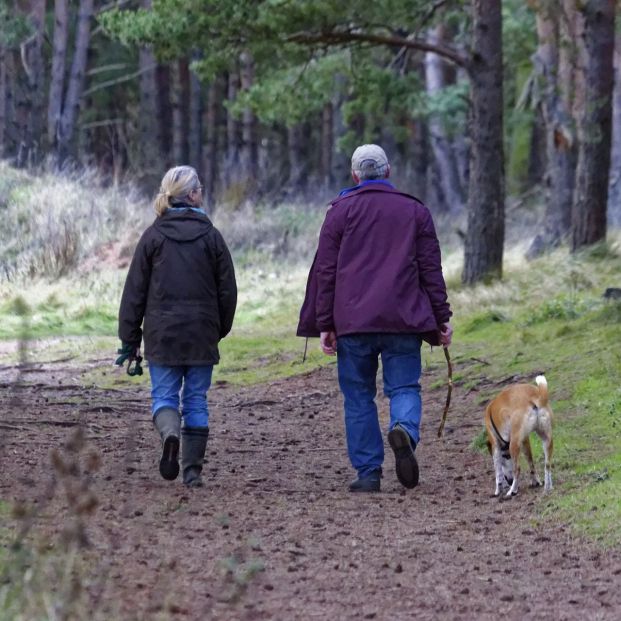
{"x":573,"y":337}
{"x":483,"y":320}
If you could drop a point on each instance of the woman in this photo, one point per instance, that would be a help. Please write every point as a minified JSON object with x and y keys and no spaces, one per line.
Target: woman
{"x":182,"y":283}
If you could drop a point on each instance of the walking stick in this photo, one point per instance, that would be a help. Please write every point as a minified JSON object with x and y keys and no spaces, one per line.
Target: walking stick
{"x":450,"y":390}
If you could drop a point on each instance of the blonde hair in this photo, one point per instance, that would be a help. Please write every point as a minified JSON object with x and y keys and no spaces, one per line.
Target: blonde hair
{"x":176,"y":185}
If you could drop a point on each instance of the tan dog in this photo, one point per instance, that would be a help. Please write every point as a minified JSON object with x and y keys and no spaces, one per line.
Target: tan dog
{"x":510,"y":419}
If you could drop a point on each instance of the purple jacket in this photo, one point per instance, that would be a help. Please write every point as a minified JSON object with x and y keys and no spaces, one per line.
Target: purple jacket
{"x":377,"y":268}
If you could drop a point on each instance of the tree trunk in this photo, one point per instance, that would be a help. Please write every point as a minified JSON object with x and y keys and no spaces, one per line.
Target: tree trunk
{"x":614,"y":186}
{"x":327,"y":145}
{"x":295,"y":147}
{"x":210,"y":167}
{"x":76,"y":81}
{"x":441,"y":146}
{"x":588,"y":220}
{"x":249,"y":147}
{"x":555,"y":66}
{"x":163,"y":79}
{"x":417,"y":163}
{"x":232,"y":131}
{"x":149,"y":154}
{"x":462,"y":145}
{"x":537,"y":154}
{"x":486,"y":227}
{"x":10,"y":140}
{"x":177,"y":102}
{"x":31,"y":100}
{"x":4,"y":91}
{"x":57,"y":79}
{"x":195,"y":123}
{"x":149,"y":122}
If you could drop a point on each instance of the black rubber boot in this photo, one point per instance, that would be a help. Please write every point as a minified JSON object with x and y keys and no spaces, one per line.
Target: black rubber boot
{"x":168,"y":422}
{"x":193,"y":454}
{"x":405,"y":461}
{"x":370,"y":483}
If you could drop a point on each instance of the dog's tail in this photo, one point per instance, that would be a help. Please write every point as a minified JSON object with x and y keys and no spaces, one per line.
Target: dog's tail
{"x":542,"y":384}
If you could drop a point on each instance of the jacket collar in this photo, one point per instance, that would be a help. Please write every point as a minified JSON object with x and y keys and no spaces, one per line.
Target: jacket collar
{"x":373,"y":187}
{"x":363,"y":184}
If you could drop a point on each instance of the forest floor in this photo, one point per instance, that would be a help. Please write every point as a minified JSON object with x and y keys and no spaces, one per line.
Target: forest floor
{"x":274,"y":534}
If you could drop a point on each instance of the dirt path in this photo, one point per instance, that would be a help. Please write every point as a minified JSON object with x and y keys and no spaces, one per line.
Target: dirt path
{"x":275,"y":535}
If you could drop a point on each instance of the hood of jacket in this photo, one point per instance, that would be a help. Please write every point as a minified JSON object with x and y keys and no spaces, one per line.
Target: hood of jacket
{"x":183,"y":226}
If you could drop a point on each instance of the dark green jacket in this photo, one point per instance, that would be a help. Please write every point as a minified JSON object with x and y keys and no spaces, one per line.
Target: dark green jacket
{"x":181,"y":282}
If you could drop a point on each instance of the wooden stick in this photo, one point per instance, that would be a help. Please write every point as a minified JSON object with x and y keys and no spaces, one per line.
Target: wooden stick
{"x":449,"y":392}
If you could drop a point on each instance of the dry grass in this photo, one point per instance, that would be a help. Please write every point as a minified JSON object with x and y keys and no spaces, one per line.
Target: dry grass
{"x":50,"y":223}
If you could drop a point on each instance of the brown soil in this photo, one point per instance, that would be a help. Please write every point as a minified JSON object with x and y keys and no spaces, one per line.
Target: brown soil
{"x":274,"y":534}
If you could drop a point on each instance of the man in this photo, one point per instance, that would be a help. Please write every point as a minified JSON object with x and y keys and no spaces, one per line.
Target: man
{"x":376,"y":289}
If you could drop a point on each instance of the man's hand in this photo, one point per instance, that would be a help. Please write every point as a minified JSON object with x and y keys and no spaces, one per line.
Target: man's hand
{"x":446,"y":334}
{"x":328,"y":343}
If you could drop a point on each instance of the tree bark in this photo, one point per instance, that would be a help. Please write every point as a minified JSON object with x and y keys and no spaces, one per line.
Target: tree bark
{"x":441,"y":146}
{"x":232,"y":131}
{"x":462,"y":145}
{"x":195,"y":123}
{"x":249,"y":147}
{"x":4,"y":91}
{"x":57,"y":78}
{"x":588,"y":220}
{"x":614,"y":186}
{"x":295,"y":149}
{"x":149,"y":160}
{"x":486,"y":228}
{"x":165,"y":122}
{"x":327,"y":144}
{"x":556,"y":69}
{"x":149,"y":122}
{"x":76,"y":81}
{"x":537,"y":154}
{"x":212,"y":113}
{"x":418,"y":162}
{"x":31,"y":101}
{"x":177,"y":102}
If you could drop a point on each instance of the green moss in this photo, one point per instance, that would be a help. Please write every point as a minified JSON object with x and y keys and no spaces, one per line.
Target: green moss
{"x":482,"y":320}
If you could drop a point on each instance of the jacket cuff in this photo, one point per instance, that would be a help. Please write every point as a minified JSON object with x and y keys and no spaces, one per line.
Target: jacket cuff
{"x":325,"y":328}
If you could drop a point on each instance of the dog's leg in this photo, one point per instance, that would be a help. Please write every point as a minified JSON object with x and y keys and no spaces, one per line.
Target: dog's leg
{"x":547,"y":453}
{"x":514,"y":451}
{"x":498,"y":469}
{"x":534,"y":479}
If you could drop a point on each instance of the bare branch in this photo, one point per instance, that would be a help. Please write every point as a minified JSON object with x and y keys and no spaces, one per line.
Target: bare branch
{"x":116,"y":4}
{"x":103,"y":68}
{"x":343,"y":38}
{"x":104,"y":123}
{"x":125,"y":78}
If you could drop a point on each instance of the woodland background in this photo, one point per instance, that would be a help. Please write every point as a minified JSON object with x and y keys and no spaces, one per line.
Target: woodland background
{"x":504,"y":117}
{"x":474,"y":101}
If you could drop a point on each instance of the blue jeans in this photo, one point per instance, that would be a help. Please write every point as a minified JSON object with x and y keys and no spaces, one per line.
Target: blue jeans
{"x":357,"y":367}
{"x":166,"y":385}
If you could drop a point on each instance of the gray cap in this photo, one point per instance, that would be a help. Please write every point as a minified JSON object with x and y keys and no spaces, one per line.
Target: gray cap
{"x":369,"y":161}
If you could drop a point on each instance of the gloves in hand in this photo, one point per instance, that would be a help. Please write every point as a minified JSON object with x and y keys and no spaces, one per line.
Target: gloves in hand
{"x":129,"y":352}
